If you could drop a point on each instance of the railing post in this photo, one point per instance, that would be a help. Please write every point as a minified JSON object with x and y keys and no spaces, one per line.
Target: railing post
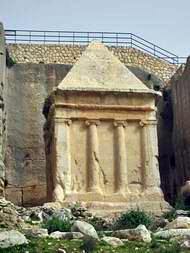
{"x":73,"y":38}
{"x":59,"y":37}
{"x":154,"y":50}
{"x":88,"y":39}
{"x":44,"y":37}
{"x":30,"y":37}
{"x":116,"y":39}
{"x":102,"y":37}
{"x":15,"y":36}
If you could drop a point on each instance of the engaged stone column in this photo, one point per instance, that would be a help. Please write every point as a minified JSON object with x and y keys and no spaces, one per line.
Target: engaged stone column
{"x":150,"y":170}
{"x":62,"y":174}
{"x":93,"y":157}
{"x":121,"y":173}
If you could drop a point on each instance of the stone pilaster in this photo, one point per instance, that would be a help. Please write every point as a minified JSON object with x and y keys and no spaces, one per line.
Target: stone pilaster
{"x":121,"y":172}
{"x":62,"y":173}
{"x":149,"y":147}
{"x":93,"y":157}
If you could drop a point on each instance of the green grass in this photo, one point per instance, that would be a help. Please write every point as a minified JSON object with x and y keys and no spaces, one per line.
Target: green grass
{"x":49,"y":245}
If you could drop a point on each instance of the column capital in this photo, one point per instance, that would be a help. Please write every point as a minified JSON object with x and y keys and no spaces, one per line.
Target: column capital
{"x":118,"y":123}
{"x":143,"y":123}
{"x":92,"y":122}
{"x":65,"y":121}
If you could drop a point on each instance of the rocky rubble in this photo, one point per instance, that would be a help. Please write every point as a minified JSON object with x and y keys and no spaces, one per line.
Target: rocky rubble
{"x":138,"y":234}
{"x":29,"y":221}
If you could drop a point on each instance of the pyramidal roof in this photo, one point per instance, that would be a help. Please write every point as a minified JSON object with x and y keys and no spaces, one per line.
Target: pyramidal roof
{"x":99,"y":69}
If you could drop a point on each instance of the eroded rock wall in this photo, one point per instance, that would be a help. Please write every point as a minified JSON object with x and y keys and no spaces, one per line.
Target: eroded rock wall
{"x":28,"y":86}
{"x":180,"y":94}
{"x":3,"y":86}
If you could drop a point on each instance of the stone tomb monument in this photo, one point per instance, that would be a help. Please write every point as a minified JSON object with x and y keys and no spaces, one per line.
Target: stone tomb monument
{"x":101,"y":138}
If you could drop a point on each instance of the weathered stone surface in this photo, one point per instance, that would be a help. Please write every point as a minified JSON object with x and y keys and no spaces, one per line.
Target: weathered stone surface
{"x":185,"y":244}
{"x":66,"y":235}
{"x":11,"y":238}
{"x":28,"y":86}
{"x":85,"y":228}
{"x":113,"y":241}
{"x":98,"y":69}
{"x":138,"y":234}
{"x":9,"y":216}
{"x":36,"y":232}
{"x":179,"y":222}
{"x":167,"y":234}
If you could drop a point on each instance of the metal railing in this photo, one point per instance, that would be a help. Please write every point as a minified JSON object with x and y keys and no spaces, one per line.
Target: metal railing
{"x":109,"y":38}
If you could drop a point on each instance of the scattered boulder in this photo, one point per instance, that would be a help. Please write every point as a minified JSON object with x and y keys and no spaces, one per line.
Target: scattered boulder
{"x":185,"y":244}
{"x":112,"y":241}
{"x":11,"y":238}
{"x":36,"y":232}
{"x":61,"y":251}
{"x":182,"y":213}
{"x":138,"y":234}
{"x":170,"y":233}
{"x":85,"y":228}
{"x":66,"y":235}
{"x":179,"y":222}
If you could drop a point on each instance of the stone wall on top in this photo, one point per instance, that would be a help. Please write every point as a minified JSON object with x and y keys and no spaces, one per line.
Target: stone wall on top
{"x":69,"y":54}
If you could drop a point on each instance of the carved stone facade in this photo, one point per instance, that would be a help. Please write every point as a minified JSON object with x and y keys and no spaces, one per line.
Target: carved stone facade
{"x":101,"y":138}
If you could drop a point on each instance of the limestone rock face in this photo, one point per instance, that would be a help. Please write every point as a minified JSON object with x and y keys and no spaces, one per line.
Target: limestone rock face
{"x":9,"y":216}
{"x":179,"y":222}
{"x":11,"y":238}
{"x":138,"y":234}
{"x":169,"y":233}
{"x":66,"y":235}
{"x":85,"y":228}
{"x":112,"y":241}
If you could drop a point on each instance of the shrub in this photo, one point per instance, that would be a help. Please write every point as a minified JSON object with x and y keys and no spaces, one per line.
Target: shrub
{"x":57,"y":224}
{"x":132,"y":219}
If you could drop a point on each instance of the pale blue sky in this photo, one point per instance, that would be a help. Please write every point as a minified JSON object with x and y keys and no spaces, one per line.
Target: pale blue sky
{"x":163,"y":22}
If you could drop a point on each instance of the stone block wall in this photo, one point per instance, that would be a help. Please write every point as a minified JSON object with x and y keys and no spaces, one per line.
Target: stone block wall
{"x":69,"y":54}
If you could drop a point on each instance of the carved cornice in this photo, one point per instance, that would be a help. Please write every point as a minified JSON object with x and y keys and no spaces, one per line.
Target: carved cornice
{"x":105,"y":107}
